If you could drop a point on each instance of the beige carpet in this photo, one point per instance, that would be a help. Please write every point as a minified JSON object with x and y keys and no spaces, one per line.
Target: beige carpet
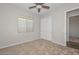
{"x":38,"y":47}
{"x":74,"y":39}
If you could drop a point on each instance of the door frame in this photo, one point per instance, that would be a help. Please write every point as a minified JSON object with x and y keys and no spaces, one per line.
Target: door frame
{"x":67,"y":23}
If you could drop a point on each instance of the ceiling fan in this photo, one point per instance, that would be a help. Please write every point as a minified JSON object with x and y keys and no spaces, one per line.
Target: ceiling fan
{"x":39,"y":6}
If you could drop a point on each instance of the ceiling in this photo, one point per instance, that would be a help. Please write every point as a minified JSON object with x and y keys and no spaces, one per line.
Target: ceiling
{"x":27,"y":5}
{"x":52,"y":6}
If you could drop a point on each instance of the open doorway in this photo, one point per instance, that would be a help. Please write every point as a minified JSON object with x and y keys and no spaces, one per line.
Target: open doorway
{"x":73,"y":29}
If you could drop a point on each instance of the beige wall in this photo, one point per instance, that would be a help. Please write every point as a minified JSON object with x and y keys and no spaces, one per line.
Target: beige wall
{"x":60,"y":29}
{"x":8,"y":26}
{"x":60,"y":23}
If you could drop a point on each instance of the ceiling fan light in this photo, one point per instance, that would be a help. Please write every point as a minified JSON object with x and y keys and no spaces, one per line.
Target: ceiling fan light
{"x":38,"y":6}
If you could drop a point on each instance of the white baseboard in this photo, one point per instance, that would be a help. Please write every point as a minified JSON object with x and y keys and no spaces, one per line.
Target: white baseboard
{"x":58,"y":43}
{"x":16,"y":44}
{"x":28,"y":41}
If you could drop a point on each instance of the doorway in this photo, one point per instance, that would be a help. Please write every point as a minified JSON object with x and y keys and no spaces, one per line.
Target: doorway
{"x":73,"y":29}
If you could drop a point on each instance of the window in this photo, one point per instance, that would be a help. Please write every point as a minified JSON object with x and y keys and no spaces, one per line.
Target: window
{"x":25,"y":25}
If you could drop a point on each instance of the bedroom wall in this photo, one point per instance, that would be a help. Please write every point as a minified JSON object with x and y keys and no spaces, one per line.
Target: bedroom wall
{"x":59,"y":24}
{"x":8,"y":26}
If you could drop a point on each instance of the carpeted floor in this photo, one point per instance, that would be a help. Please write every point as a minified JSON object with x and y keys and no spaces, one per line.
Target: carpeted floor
{"x":73,"y":42}
{"x":39,"y":47}
{"x":74,"y":39}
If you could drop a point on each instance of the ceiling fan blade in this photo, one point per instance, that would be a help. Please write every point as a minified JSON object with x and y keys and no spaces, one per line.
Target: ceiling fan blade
{"x":46,"y":7}
{"x":38,"y":3}
{"x":32,"y":7}
{"x":38,"y":10}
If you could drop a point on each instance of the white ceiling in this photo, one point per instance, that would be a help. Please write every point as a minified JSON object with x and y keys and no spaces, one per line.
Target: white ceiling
{"x":43,"y":11}
{"x":27,"y":5}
